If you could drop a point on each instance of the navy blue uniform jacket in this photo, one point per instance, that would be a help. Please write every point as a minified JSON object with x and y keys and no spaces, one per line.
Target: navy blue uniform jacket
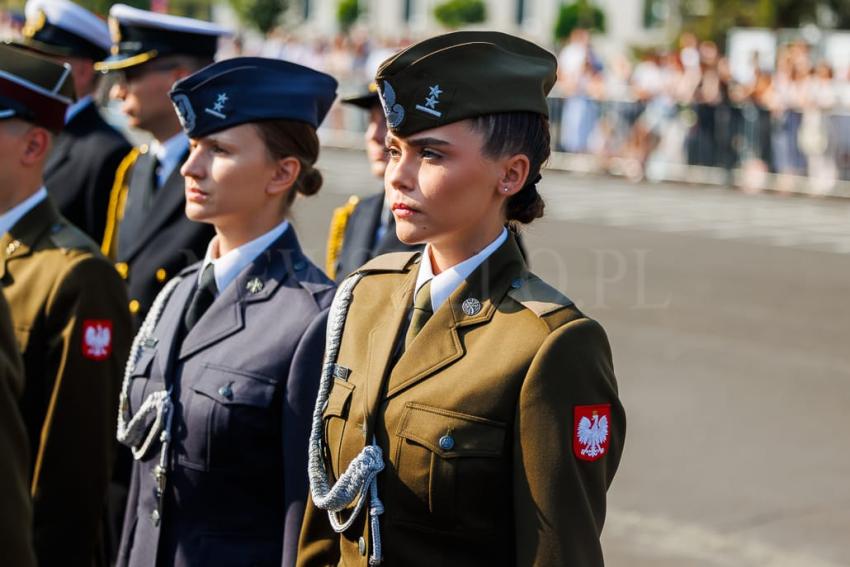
{"x":244,"y":384}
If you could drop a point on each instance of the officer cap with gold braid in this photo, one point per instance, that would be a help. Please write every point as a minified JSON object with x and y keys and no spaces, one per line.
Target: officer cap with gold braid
{"x":139,"y":36}
{"x":34,"y":88}
{"x":461,"y":75}
{"x":62,"y":28}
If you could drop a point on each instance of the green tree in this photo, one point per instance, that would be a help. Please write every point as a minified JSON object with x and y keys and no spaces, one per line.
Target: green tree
{"x":580,"y":14}
{"x":725,"y":14}
{"x":347,"y":12}
{"x":260,"y":14}
{"x":456,"y":13}
{"x":102,"y":6}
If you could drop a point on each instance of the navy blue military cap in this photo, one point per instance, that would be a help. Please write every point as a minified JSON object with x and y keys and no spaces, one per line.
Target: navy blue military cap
{"x":251,"y":89}
{"x":62,"y":28}
{"x":139,"y":36}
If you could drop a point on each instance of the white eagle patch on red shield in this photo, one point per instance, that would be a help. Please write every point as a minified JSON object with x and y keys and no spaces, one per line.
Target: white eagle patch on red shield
{"x":97,"y":339}
{"x":590,"y":431}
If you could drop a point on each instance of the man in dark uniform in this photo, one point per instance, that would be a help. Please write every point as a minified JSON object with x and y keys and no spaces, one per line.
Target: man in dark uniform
{"x":69,"y":310}
{"x":85,"y":155}
{"x":147,"y":230}
{"x":364,"y":228}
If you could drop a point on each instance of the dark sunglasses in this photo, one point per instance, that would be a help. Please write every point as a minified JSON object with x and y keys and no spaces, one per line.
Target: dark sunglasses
{"x":139,"y":71}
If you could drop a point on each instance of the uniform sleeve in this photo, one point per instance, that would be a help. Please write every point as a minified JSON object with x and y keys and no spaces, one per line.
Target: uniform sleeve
{"x":88,"y":328}
{"x":560,"y":497}
{"x":15,"y":521}
{"x":302,"y":387}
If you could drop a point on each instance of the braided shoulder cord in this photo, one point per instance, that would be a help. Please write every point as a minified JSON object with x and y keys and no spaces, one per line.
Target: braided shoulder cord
{"x":360,"y":477}
{"x":131,"y":428}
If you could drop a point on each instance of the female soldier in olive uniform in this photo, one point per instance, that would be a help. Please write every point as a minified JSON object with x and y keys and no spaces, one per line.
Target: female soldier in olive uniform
{"x":468,"y":413}
{"x":223,"y":375}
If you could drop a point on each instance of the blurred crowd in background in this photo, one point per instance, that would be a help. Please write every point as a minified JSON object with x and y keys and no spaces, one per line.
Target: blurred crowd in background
{"x":782,"y":124}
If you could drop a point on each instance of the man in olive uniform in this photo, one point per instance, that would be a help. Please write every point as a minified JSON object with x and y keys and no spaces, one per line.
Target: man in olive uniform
{"x":85,"y":155}
{"x":69,"y":310}
{"x":147,"y":230}
{"x":365,"y":228}
{"x":16,"y":519}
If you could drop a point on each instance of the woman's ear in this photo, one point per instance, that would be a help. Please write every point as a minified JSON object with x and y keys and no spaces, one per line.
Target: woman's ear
{"x":285,"y":175}
{"x":515,"y":171}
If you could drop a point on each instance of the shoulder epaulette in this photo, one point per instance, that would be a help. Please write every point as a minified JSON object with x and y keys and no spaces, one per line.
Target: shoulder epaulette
{"x":336,"y":233}
{"x":392,"y":262}
{"x":539,"y":297}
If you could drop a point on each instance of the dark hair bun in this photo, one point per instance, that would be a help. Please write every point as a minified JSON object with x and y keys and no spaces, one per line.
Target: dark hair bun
{"x":310,"y":181}
{"x":526,"y":205}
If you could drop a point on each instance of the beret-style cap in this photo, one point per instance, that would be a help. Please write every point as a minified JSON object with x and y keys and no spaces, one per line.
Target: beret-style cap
{"x":461,"y":75}
{"x":62,"y":28}
{"x":34,"y":88}
{"x":251,"y":89}
{"x":139,"y":36}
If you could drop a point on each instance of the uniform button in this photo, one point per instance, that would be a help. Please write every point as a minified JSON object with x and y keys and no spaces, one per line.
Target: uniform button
{"x":123,"y":269}
{"x":517,"y":283}
{"x":361,"y":546}
{"x":226,"y":391}
{"x":447,"y":442}
{"x":143,"y":149}
{"x":300,"y":265}
{"x":155,"y":518}
{"x":161,"y":275}
{"x":135,"y":306}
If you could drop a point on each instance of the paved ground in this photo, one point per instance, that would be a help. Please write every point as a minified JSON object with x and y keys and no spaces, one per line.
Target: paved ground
{"x":729,"y":315}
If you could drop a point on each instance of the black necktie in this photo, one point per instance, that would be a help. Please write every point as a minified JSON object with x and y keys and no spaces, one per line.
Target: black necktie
{"x":202,"y":298}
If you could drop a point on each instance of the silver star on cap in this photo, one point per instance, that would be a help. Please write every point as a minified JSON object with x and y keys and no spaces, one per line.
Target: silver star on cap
{"x":471,"y":306}
{"x":254,"y":286}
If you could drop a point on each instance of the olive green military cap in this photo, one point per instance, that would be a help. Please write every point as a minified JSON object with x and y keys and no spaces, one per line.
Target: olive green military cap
{"x":34,"y":88}
{"x":461,"y":75}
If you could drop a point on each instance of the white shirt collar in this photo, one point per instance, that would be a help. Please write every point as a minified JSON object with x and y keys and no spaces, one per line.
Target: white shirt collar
{"x":11,"y":217}
{"x":168,"y":154}
{"x":448,"y":280}
{"x":76,"y":107}
{"x":227,"y":267}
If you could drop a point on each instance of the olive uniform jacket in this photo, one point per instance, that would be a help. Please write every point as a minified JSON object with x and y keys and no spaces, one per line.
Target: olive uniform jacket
{"x":69,"y":309}
{"x":477,"y":423}
{"x":81,"y":168}
{"x":155,"y":238}
{"x":244,"y":383}
{"x":16,"y":519}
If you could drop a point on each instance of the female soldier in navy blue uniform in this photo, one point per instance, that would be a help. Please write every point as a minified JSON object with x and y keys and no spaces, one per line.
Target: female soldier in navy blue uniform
{"x":223,"y":374}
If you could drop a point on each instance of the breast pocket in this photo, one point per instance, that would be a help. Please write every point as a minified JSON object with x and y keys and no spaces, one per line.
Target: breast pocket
{"x":455,"y":463}
{"x":335,"y":417}
{"x":231,"y":421}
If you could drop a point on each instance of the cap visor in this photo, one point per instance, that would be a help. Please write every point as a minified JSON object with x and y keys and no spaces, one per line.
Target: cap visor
{"x":364,"y":101}
{"x":41,"y":48}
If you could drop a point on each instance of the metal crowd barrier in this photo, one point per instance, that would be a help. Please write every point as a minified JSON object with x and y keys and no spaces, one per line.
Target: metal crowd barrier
{"x":743,"y":146}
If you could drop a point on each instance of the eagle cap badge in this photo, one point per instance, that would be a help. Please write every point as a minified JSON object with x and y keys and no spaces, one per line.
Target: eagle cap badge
{"x":591,"y":431}
{"x":97,"y":339}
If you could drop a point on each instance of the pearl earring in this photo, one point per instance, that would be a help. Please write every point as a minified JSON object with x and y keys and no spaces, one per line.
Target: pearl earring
{"x":505,"y":189}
